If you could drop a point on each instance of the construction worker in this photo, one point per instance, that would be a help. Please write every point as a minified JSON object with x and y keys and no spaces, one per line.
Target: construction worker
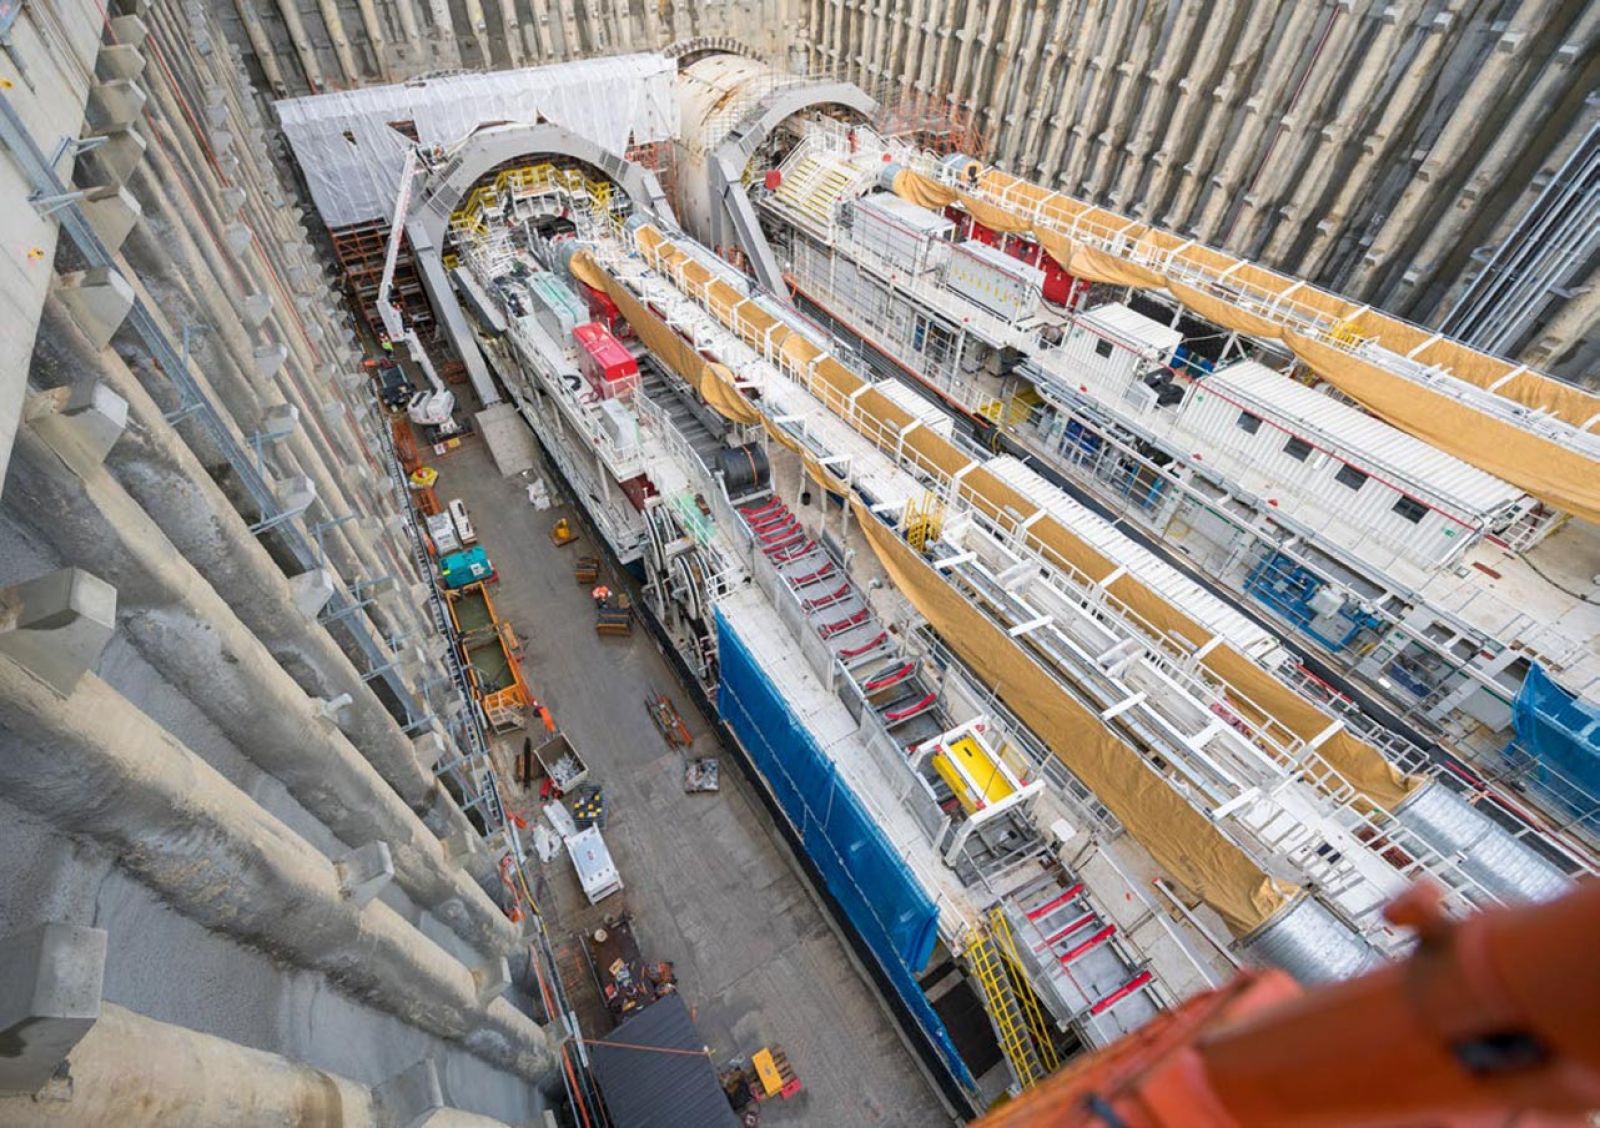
{"x":601,"y":595}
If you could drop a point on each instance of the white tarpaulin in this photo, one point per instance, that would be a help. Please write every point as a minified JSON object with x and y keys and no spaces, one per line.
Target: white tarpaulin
{"x":351,"y":152}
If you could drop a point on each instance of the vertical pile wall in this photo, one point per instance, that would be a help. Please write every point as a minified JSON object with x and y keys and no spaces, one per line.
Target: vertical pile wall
{"x":220,"y":714}
{"x":1374,"y":147}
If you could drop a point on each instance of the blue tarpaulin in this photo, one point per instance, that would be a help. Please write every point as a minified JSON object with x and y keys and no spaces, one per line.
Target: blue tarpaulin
{"x":881,"y":897}
{"x":1562,"y":736}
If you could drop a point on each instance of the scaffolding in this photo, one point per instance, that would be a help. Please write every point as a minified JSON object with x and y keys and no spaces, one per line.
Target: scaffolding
{"x":359,"y":249}
{"x":928,"y":120}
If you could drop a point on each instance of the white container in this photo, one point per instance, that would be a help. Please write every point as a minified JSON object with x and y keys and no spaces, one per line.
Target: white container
{"x":442,"y":531}
{"x":596,"y":872}
{"x":458,"y":517}
{"x":1007,"y":287}
{"x":906,"y":237}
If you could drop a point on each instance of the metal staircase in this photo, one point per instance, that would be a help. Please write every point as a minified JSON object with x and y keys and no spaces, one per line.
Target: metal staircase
{"x":1006,"y":942}
{"x":1006,"y":1009}
{"x":924,"y":519}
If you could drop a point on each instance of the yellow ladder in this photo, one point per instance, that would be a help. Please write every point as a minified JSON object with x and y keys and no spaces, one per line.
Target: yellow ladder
{"x":924,"y":521}
{"x":1006,"y":943}
{"x":1003,"y":1007}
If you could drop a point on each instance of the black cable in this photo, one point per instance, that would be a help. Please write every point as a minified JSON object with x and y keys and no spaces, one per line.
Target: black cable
{"x":1553,"y":583}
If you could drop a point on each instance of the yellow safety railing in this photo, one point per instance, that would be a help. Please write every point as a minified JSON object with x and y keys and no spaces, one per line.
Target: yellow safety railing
{"x":1005,"y":943}
{"x":1001,"y":1001}
{"x":529,"y":180}
{"x":924,"y":520}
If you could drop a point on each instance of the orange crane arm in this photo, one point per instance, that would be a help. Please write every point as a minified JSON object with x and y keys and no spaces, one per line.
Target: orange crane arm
{"x":1492,"y":1020}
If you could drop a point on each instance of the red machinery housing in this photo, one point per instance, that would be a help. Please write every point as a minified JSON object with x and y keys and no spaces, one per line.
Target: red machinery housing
{"x":605,"y":311}
{"x":1060,"y":288}
{"x":610,"y":369}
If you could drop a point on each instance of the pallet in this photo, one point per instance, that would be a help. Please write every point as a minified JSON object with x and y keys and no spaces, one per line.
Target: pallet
{"x":614,"y":621}
{"x":562,"y":533}
{"x":586,"y":570}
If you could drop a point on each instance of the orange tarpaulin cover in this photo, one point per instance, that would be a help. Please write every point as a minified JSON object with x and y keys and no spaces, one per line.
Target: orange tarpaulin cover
{"x":1565,"y":480}
{"x":1180,"y":839}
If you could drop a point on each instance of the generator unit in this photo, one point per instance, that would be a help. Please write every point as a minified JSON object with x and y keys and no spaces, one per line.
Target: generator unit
{"x":466,"y":567}
{"x":610,"y":369}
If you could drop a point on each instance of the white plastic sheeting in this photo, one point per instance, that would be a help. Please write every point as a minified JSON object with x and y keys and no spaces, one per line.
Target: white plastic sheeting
{"x":352,"y":155}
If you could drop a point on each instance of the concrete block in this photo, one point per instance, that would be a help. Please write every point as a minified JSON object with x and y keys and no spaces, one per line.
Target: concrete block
{"x":119,"y":60}
{"x":114,"y":160}
{"x":115,"y":104}
{"x":233,"y":199}
{"x":80,"y":424}
{"x":50,"y":982}
{"x":421,"y":595}
{"x":237,"y":237}
{"x":431,"y":749}
{"x":99,"y":300}
{"x":57,"y":625}
{"x":112,"y":211}
{"x":296,"y":494}
{"x":129,"y":30}
{"x":335,"y":709}
{"x":364,"y":872}
{"x":255,"y":309}
{"x":278,"y":422}
{"x":491,"y":978}
{"x":409,"y":1098}
{"x":462,"y":844}
{"x":312,"y":590}
{"x":269,"y":359}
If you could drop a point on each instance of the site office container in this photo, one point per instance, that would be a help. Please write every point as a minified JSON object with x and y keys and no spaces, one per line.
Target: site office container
{"x":610,"y":369}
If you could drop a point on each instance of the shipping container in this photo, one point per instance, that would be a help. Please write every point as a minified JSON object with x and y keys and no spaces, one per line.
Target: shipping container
{"x":610,"y":369}
{"x":1006,"y":287}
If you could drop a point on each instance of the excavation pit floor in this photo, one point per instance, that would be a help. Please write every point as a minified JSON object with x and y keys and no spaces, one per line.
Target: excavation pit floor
{"x":708,"y":881}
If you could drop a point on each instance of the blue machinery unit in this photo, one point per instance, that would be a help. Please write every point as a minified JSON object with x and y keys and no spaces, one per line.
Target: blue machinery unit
{"x":462,"y":568}
{"x":882,"y":900}
{"x":1558,"y":742}
{"x":1304,"y":599}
